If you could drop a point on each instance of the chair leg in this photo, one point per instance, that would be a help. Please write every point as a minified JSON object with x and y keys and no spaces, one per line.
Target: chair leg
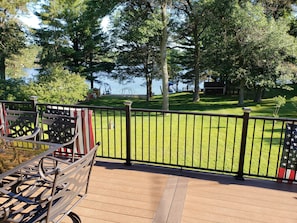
{"x":74,"y":217}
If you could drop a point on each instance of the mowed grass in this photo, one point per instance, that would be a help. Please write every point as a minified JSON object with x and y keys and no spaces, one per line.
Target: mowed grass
{"x":197,"y":139}
{"x":217,"y":104}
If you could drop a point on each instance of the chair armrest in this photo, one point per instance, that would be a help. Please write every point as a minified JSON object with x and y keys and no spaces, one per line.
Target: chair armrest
{"x":48,"y":172}
{"x":71,"y":141}
{"x":33,"y":135}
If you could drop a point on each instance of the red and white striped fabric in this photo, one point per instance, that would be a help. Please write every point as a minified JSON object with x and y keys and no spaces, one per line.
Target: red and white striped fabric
{"x":1,"y":115}
{"x":2,"y":120}
{"x":85,"y":140}
{"x":288,"y":164}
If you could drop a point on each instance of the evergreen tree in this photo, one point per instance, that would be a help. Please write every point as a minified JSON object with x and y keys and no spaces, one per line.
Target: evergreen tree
{"x":12,"y":36}
{"x":136,"y":35}
{"x":71,"y":33}
{"x":190,"y":35}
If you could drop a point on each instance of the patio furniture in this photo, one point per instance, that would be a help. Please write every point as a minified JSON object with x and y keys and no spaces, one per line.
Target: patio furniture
{"x":19,"y":124}
{"x":51,"y":194}
{"x":60,"y":129}
{"x":84,"y":121}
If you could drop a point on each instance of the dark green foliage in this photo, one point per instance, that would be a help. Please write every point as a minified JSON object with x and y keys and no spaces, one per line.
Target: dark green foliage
{"x":74,"y":37}
{"x":12,"y":36}
{"x":57,"y":85}
{"x":13,"y":90}
{"x":275,"y":8}
{"x":136,"y":37}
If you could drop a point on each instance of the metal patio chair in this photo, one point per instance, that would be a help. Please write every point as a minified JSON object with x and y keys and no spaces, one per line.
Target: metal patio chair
{"x":20,"y":124}
{"x":51,"y":195}
{"x":60,"y":129}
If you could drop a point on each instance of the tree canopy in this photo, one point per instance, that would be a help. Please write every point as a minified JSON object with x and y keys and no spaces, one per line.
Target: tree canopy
{"x":252,"y":49}
{"x":245,"y":43}
{"x":72,"y":34}
{"x":136,"y":37}
{"x":12,"y":34}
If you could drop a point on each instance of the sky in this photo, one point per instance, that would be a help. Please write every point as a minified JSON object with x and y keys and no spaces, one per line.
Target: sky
{"x":32,"y":21}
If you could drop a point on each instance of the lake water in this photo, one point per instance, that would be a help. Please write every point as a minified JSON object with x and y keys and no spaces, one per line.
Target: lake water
{"x":135,"y":87}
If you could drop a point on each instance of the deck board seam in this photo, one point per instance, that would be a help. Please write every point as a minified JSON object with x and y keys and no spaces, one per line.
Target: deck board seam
{"x":171,"y":204}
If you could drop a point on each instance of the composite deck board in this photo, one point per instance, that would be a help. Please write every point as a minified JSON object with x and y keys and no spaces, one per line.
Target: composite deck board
{"x":148,"y":194}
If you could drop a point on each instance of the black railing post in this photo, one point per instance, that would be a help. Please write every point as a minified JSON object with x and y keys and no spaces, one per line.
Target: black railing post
{"x":245,"y":124}
{"x":34,"y":103}
{"x":128,"y":132}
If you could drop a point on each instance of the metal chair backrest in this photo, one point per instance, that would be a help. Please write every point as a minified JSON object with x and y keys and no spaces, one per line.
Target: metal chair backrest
{"x":59,"y":129}
{"x":71,"y":185}
{"x":19,"y":123}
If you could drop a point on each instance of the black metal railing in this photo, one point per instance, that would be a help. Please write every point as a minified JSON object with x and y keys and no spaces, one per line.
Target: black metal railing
{"x":240,"y":145}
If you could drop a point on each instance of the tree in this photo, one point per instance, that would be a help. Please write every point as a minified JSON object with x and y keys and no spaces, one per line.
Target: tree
{"x":135,"y":34}
{"x":25,"y":59}
{"x":176,"y":67}
{"x":13,"y":89}
{"x":252,"y":48}
{"x":12,"y":36}
{"x":163,"y":53}
{"x":57,"y":85}
{"x":72,"y":34}
{"x":274,"y":8}
{"x":190,"y":36}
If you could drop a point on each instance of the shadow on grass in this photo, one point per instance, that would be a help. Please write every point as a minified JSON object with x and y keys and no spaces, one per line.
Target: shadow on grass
{"x":207,"y":103}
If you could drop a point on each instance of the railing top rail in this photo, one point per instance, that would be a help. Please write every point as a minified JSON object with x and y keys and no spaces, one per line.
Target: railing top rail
{"x":15,"y":102}
{"x":273,"y":118}
{"x":185,"y":112}
{"x":83,"y":106}
{"x":150,"y":110}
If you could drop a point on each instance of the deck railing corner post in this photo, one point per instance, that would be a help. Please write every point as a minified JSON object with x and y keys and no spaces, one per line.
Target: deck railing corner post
{"x":246,"y":116}
{"x":34,"y":102}
{"x":128,"y":105}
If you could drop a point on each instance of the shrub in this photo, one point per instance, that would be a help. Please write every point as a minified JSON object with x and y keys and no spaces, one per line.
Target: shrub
{"x":279,"y":102}
{"x":12,"y":90}
{"x":57,"y":85}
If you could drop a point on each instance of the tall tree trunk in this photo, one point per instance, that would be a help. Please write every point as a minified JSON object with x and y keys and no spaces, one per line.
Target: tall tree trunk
{"x":241,"y":93}
{"x":259,"y":94}
{"x":148,"y":78}
{"x":2,"y":67}
{"x":148,"y":88}
{"x":92,"y":80}
{"x":196,"y":96}
{"x":91,"y":72}
{"x":163,"y":52}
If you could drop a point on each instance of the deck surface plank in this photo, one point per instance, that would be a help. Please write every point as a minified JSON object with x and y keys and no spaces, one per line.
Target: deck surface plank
{"x":148,"y":194}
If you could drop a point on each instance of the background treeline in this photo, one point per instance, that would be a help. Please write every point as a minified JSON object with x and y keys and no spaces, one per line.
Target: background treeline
{"x":249,"y":45}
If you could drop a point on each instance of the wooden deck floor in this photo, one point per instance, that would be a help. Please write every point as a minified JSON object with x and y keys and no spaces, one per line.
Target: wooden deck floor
{"x":143,"y":194}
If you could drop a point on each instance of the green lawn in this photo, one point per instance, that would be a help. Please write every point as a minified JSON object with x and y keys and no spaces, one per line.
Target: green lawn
{"x":213,"y":103}
{"x":196,"y":140}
